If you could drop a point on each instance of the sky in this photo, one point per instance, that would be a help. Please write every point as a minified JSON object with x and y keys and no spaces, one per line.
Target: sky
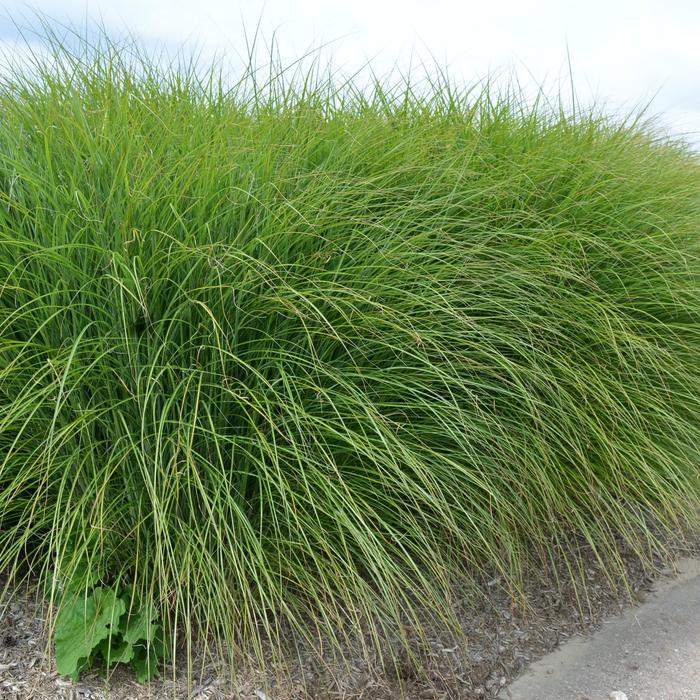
{"x":621,"y":53}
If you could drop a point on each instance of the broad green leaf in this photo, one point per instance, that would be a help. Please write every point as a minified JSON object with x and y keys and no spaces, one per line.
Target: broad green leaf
{"x":116,"y":652}
{"x":83,"y":577}
{"x":160,"y":644}
{"x":82,"y":623}
{"x":145,"y":663}
{"x":139,"y":626}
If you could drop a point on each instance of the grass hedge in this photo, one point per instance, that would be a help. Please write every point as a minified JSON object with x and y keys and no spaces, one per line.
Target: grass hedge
{"x":288,"y":354}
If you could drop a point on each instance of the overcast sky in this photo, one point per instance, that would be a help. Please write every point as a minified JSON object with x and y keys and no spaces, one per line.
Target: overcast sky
{"x":623,"y":52}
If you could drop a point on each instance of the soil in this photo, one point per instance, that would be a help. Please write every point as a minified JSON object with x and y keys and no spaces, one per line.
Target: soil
{"x":503,"y":637}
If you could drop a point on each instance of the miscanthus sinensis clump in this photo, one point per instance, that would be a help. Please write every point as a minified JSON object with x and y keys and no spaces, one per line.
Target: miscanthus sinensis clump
{"x":289,"y":356}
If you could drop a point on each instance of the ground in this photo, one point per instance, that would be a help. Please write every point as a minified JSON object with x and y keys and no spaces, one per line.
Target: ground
{"x":503,"y":640}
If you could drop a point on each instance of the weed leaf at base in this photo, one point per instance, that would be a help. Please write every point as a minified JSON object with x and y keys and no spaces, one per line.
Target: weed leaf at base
{"x":82,"y":624}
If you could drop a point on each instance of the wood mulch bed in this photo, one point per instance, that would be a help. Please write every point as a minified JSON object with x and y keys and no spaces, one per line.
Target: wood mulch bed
{"x":503,"y":639}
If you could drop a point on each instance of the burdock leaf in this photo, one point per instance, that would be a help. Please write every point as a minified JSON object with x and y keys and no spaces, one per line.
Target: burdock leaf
{"x":139,"y":626}
{"x":145,"y":663}
{"x":114,"y":652}
{"x":82,"y":623}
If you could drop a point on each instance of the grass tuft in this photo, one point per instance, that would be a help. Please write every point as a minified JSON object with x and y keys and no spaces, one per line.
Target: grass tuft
{"x":285,"y":354}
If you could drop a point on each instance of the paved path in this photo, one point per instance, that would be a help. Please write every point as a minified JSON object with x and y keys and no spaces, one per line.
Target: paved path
{"x":652,"y":652}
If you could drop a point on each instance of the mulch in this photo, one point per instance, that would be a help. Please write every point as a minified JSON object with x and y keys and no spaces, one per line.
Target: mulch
{"x":503,"y":637}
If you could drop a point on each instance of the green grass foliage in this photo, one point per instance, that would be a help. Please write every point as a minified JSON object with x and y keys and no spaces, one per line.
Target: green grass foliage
{"x":293,"y":354}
